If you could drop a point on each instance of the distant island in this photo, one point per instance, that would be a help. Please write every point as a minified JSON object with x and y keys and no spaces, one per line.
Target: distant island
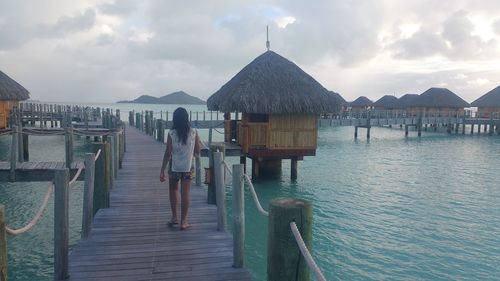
{"x":179,"y":97}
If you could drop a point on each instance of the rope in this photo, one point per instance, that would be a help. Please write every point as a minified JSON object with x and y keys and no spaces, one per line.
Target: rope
{"x":41,"y":132}
{"x":76,"y":175}
{"x":37,"y":215}
{"x":5,"y":133}
{"x":255,"y":198}
{"x":227,"y":168}
{"x":218,"y":131}
{"x":97,"y":155}
{"x":305,"y":253}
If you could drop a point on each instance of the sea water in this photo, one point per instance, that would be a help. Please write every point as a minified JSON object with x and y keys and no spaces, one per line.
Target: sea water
{"x":391,"y":208}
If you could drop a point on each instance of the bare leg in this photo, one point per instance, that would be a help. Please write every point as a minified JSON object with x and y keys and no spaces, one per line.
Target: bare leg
{"x":174,"y":198}
{"x":185,"y":188}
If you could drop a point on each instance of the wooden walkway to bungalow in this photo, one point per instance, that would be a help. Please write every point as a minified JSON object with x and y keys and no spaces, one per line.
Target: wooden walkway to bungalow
{"x":131,"y":239}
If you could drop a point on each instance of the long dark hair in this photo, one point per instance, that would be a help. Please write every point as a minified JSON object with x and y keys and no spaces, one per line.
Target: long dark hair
{"x":181,"y":124}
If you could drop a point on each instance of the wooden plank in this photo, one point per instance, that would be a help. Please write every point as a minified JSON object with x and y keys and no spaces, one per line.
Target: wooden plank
{"x":131,"y":239}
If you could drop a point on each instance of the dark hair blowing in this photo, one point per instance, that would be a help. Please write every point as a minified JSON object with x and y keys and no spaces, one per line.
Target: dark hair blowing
{"x":181,"y":124}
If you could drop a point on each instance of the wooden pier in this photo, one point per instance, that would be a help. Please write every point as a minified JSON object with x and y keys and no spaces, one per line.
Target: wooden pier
{"x":131,"y":239}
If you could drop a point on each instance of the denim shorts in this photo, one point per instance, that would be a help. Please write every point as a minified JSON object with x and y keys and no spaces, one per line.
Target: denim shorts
{"x":176,"y":176}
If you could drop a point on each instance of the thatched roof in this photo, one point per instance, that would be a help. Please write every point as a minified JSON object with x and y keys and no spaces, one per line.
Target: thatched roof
{"x":339,"y":100}
{"x":441,"y":97}
{"x":11,"y":90}
{"x":388,"y":102}
{"x":361,"y":102}
{"x":490,"y":99}
{"x":408,"y":100}
{"x":271,"y":84}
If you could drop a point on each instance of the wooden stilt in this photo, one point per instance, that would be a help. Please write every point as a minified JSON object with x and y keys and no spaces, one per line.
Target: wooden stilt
{"x":293,"y":168}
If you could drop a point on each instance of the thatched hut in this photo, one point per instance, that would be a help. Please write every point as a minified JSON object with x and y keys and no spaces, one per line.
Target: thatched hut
{"x":441,"y":101}
{"x":280,"y":106}
{"x":361,"y":104}
{"x":409,"y":103}
{"x":341,"y":103}
{"x":11,"y":93}
{"x":387,"y":102}
{"x":488,"y":103}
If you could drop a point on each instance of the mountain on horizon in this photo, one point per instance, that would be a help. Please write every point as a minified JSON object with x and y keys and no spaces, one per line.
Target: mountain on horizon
{"x":179,"y":97}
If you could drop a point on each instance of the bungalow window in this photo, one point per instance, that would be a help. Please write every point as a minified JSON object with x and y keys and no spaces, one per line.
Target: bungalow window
{"x":258,"y":118}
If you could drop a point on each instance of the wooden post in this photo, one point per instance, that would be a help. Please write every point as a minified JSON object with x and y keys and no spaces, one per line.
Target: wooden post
{"x":88,"y":194}
{"x":197,"y":162}
{"x":406,"y":130}
{"x":220,"y":189}
{"x":61,"y":224}
{"x":368,"y":132}
{"x":238,"y":217}
{"x":116,"y":154}
{"x":472,"y":128}
{"x":355,"y":132}
{"x":26,"y":152}
{"x":3,"y":245}
{"x":419,"y":126}
{"x":13,"y":153}
{"x":102,"y":180}
{"x":112,"y":142}
{"x":293,"y":168}
{"x":284,"y":260}
{"x":69,"y":146}
{"x":211,"y":198}
{"x":20,"y":139}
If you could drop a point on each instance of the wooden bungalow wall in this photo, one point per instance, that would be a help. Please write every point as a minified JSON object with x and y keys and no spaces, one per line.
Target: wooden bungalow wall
{"x":5,"y":107}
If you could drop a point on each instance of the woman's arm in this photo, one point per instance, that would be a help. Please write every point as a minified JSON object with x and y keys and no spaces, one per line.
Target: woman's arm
{"x":166,"y":158}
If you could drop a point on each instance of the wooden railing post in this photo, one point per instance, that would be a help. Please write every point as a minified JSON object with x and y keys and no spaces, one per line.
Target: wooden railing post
{"x":68,"y":137}
{"x":238,"y":217}
{"x":220,"y":190}
{"x":3,"y":246}
{"x":88,"y":194}
{"x":13,"y":153}
{"x":102,"y":180}
{"x":197,"y":159}
{"x":211,"y":186}
{"x":284,"y":260}
{"x":61,"y":224}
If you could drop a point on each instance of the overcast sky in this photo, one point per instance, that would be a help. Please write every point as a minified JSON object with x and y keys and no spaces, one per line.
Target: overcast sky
{"x":105,"y":50}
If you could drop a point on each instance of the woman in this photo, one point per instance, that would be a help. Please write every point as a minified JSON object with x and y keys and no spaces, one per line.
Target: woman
{"x":182,"y":142}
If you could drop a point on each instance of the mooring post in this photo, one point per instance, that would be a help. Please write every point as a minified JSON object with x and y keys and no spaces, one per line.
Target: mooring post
{"x":284,"y":259}
{"x":61,"y":224}
{"x":238,"y":217}
{"x":220,"y":189}
{"x":102,"y":178}
{"x":88,"y":194}
{"x":293,"y":168}
{"x":3,"y":245}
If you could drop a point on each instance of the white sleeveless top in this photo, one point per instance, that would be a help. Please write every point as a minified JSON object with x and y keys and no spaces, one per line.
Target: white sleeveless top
{"x":182,"y":154}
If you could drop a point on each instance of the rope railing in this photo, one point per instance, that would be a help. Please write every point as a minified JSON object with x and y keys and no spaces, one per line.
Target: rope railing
{"x":305,"y":253}
{"x":37,"y":216}
{"x":76,"y":175}
{"x":255,"y":198}
{"x":227,"y":167}
{"x":97,"y":155}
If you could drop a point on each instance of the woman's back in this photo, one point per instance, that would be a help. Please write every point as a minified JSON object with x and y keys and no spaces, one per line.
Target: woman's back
{"x":182,"y":154}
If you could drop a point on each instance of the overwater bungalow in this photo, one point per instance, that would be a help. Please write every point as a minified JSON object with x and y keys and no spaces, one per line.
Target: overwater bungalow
{"x":442,"y":102}
{"x":409,"y":103}
{"x":361,"y":104}
{"x":280,"y":106}
{"x":488,"y":103}
{"x":11,"y":93}
{"x":341,"y":103}
{"x":387,"y":102}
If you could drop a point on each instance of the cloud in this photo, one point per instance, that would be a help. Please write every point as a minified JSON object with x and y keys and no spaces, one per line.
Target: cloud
{"x":68,"y":24}
{"x":119,"y":7}
{"x":496,"y":27}
{"x":423,"y":43}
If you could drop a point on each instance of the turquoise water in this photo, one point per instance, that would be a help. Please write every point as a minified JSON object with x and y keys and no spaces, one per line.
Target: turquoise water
{"x":390,"y":208}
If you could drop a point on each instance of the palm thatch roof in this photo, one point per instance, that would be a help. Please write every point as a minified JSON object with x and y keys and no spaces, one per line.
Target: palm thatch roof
{"x":340,"y":101}
{"x":490,"y":99}
{"x":408,"y":100}
{"x":361,"y":102}
{"x":11,"y":90}
{"x":388,"y":102}
{"x":441,"y":97}
{"x":271,"y":84}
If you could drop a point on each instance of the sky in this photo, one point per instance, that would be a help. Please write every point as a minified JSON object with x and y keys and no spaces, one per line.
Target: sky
{"x":109,"y":50}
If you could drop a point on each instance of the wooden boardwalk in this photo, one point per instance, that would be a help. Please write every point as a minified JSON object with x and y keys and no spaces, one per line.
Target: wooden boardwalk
{"x":131,"y":239}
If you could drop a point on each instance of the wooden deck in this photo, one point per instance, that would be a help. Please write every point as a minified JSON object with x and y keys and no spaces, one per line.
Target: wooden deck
{"x":131,"y":240}
{"x":38,"y":171}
